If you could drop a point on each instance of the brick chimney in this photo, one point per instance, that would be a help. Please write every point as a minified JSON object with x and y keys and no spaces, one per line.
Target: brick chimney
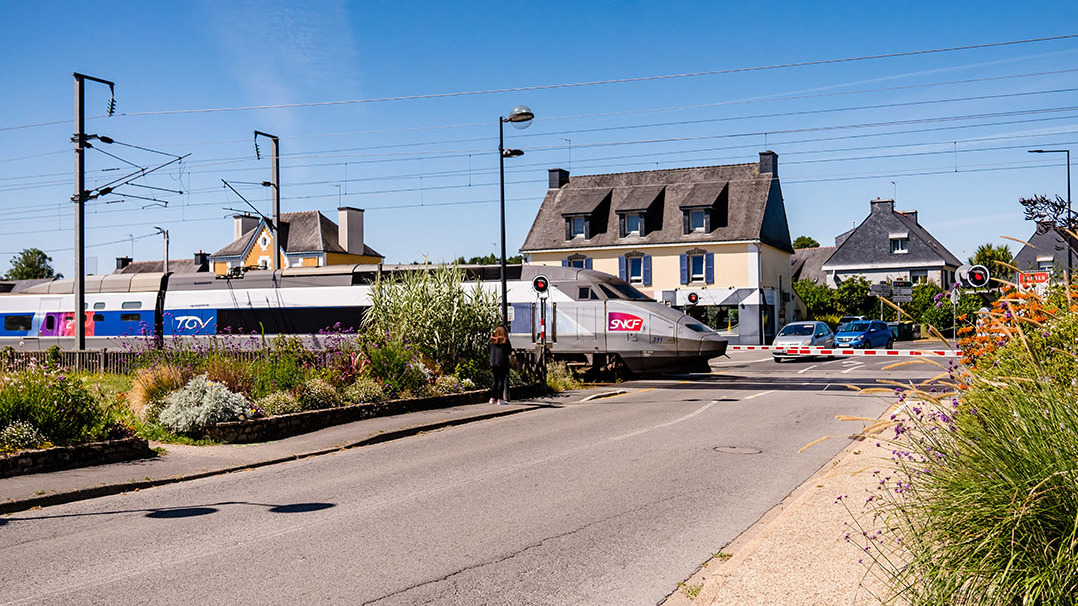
{"x":202,"y":261}
{"x":769,"y":163}
{"x":559,"y":177}
{"x":243,"y":224}
{"x":350,"y":229}
{"x":910,"y":213}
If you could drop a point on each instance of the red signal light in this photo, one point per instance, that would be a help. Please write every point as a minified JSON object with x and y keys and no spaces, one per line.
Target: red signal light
{"x":540,"y":284}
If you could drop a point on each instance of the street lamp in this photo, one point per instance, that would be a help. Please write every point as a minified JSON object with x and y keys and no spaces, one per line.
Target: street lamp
{"x":521,"y":118}
{"x":1070,"y":222}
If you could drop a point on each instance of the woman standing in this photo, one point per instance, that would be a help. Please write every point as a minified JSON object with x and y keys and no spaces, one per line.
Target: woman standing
{"x":499,"y":365}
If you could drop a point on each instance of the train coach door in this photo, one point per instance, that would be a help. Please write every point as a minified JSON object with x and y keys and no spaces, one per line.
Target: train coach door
{"x":48,"y":321}
{"x":661,"y":332}
{"x":587,"y":319}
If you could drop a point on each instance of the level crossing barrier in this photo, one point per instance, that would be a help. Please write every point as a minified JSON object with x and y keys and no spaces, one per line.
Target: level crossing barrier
{"x":831,"y":351}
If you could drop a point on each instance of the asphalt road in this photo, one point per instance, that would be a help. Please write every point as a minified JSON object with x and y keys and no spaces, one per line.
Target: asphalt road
{"x":607,"y":501}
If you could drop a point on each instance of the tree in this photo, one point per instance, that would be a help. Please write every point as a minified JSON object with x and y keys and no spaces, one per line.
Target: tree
{"x":1045,"y":211}
{"x":852,"y":298}
{"x":818,"y":298}
{"x":31,"y":264}
{"x":988,"y":254}
{"x":805,"y":242}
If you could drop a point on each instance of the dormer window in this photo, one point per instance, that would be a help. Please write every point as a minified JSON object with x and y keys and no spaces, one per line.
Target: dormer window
{"x":634,"y":224}
{"x":576,"y":227}
{"x":697,"y":220}
{"x":900,"y":245}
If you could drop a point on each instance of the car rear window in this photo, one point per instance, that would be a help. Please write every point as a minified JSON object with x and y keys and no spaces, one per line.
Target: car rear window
{"x":796,"y":330}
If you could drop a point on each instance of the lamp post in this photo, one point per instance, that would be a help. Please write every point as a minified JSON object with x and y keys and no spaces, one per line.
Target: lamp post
{"x":1070,"y":222}
{"x":520,"y":118}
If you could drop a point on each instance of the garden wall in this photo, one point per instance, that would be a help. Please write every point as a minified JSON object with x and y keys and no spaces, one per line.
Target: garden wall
{"x":283,"y":426}
{"x":69,"y":457}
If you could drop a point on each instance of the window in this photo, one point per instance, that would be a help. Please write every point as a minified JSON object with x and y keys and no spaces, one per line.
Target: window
{"x":18,"y":323}
{"x":696,"y":220}
{"x":584,"y":293}
{"x":50,"y":322}
{"x":130,"y":318}
{"x":918,"y":276}
{"x":577,"y":263}
{"x":634,"y":225}
{"x":99,"y":317}
{"x":696,"y":268}
{"x":578,"y":227}
{"x":636,"y":270}
{"x":628,"y":292}
{"x":1044,"y":266}
{"x":131,"y":305}
{"x":99,"y":305}
{"x":900,"y":245}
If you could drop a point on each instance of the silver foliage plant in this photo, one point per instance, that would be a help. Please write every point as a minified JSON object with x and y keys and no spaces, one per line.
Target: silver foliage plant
{"x":201,"y":403}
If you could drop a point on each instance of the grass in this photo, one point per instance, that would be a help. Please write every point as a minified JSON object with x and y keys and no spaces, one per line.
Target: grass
{"x":691,"y":591}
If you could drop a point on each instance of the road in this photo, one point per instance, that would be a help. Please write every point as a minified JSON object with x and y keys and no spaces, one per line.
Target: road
{"x":606,"y":501}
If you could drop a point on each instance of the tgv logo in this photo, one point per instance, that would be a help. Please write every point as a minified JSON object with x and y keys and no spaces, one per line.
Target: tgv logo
{"x":191,"y":323}
{"x":622,"y":321}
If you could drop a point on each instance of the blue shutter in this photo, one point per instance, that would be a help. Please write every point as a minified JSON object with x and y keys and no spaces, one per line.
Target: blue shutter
{"x":646,"y":267}
{"x":709,"y":268}
{"x":621,"y":268}
{"x":565,"y":262}
{"x":684,"y":269}
{"x":587,"y":262}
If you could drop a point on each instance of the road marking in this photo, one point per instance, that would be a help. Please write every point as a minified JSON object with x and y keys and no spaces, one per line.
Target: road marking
{"x":757,"y":395}
{"x":734,"y":362}
{"x":809,"y":368}
{"x":667,"y":424}
{"x":852,"y":368}
{"x":609,"y":395}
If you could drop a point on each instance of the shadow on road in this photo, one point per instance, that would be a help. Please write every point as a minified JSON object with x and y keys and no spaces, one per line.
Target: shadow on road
{"x":172,"y":513}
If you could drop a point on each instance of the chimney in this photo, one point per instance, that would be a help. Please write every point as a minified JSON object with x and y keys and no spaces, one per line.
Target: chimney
{"x":769,"y":163}
{"x":122,"y":262}
{"x":910,"y":213}
{"x":242,"y":224}
{"x":202,"y":261}
{"x":350,"y":229}
{"x":883,"y":205}
{"x":559,"y":177}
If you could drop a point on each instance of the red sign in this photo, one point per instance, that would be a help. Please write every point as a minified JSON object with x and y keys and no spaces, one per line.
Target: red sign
{"x":618,"y":321}
{"x":1030,"y":279}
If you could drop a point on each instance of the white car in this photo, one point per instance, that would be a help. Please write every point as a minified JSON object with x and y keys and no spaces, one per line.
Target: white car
{"x":802,"y":334}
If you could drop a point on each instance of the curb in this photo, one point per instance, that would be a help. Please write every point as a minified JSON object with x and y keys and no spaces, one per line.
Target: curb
{"x":82,"y":494}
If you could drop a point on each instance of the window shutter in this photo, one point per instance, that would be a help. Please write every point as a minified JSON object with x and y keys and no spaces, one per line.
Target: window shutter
{"x":709,"y":268}
{"x":568,"y":229}
{"x":587,"y":227}
{"x":621,"y":226}
{"x":587,"y":263}
{"x":685,"y":225}
{"x":707,"y":221}
{"x":684,"y":269}
{"x":621,"y":269}
{"x":643,"y":231}
{"x":565,"y":262}
{"x":646,"y":270}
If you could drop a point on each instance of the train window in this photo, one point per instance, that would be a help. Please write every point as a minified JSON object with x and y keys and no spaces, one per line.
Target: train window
{"x":630,"y":292}
{"x":50,"y":322}
{"x":19,"y":323}
{"x":608,"y":292}
{"x":99,"y":317}
{"x":584,"y":293}
{"x":131,"y":305}
{"x":130,"y":318}
{"x":99,"y":305}
{"x":697,"y":327}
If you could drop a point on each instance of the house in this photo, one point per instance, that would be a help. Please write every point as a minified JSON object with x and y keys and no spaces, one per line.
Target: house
{"x":718,"y":232}
{"x":807,"y":264}
{"x":308,"y":239}
{"x":198,"y":263}
{"x":1047,"y":250}
{"x":890,"y":245}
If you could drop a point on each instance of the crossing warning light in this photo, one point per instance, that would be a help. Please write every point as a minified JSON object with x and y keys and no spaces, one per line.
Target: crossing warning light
{"x":540,"y":284}
{"x":977,"y":276}
{"x":693,"y":298}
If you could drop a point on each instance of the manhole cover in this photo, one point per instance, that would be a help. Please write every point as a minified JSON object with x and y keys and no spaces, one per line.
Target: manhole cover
{"x":742,"y":450}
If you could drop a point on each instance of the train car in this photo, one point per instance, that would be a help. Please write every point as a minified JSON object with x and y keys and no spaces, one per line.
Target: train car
{"x":594,"y":319}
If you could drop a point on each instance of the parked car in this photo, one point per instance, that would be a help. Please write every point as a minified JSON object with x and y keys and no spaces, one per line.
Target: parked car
{"x":865,"y":334}
{"x":844,"y":320}
{"x":802,"y":334}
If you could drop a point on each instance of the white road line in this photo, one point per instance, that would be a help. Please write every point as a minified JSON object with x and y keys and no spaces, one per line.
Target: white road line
{"x":668,"y":423}
{"x":852,"y":368}
{"x":736,"y":362}
{"x":757,"y":395}
{"x":809,"y":368}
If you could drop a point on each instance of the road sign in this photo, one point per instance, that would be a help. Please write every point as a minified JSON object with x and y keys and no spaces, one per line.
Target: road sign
{"x":902,"y":290}
{"x":955,"y":296}
{"x":902,"y":298}
{"x":1033,"y":278}
{"x":883,"y":289}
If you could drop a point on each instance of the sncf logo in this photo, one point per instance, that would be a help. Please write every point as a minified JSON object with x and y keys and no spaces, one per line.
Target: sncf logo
{"x":623,"y":321}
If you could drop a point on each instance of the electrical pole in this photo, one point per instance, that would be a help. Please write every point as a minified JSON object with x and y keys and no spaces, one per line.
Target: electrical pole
{"x":164,"y":267}
{"x":80,"y":203}
{"x":276,"y":185}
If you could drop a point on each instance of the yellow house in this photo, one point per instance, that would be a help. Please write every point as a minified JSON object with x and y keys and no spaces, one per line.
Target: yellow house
{"x":713,"y":240}
{"x":308,"y":239}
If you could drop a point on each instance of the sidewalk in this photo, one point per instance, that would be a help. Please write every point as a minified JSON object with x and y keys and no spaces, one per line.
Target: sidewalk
{"x":180,"y":463}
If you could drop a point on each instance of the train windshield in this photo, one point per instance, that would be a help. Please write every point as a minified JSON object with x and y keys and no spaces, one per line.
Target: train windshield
{"x":697,"y":327}
{"x":628,"y":292}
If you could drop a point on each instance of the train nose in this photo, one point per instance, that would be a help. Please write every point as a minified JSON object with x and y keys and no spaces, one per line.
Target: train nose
{"x":712,"y":346}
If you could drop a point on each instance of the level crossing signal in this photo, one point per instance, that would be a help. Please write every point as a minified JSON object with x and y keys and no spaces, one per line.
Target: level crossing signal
{"x":693,"y":298}
{"x":541,"y":284}
{"x":973,"y":276}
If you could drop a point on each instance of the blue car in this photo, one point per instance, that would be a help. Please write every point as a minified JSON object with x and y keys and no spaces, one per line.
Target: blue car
{"x":865,"y":334}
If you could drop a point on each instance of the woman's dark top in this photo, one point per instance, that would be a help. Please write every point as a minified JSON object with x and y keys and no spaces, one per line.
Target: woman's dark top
{"x":499,"y":354}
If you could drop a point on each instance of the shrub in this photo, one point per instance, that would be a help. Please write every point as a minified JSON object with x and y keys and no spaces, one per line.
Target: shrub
{"x":365,"y":391}
{"x":448,"y":384}
{"x":277,"y":373}
{"x":235,"y":374}
{"x":150,"y":386}
{"x":201,"y":403}
{"x":58,"y":406}
{"x":280,"y":403}
{"x":560,"y":377}
{"x":477,"y":372}
{"x":21,"y":435}
{"x":316,"y":394}
{"x":395,"y":364}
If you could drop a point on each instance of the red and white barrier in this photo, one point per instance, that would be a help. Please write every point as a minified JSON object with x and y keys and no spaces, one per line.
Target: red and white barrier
{"x":824,"y":351}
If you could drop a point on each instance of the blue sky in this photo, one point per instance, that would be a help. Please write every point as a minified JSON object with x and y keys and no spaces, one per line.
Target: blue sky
{"x":945,"y":133}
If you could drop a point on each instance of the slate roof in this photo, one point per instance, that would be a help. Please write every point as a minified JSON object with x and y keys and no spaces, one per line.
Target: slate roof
{"x":1048,"y":240}
{"x":177,"y":266}
{"x":869,"y":244}
{"x":753,"y":200}
{"x":306,"y":231}
{"x":807,"y":263}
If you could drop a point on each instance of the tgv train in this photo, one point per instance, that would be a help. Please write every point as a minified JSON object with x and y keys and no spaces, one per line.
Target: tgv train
{"x":592,"y":319}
